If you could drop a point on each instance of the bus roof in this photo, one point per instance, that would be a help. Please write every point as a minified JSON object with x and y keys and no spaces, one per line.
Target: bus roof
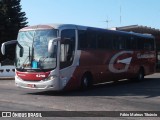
{"x":80,"y":27}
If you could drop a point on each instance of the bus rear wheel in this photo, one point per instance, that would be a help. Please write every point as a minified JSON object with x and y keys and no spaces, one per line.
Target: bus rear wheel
{"x":140,"y":76}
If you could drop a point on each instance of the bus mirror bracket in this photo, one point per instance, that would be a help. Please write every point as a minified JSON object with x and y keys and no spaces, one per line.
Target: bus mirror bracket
{"x":3,"y":47}
{"x":21,"y":50}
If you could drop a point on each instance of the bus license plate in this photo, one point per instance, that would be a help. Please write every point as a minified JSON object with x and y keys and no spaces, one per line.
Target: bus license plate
{"x":31,"y":85}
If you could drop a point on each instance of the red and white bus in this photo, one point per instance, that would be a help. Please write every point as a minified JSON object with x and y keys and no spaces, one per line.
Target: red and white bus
{"x":62,"y":57}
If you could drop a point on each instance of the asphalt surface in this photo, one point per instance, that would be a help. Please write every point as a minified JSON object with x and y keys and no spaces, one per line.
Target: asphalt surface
{"x":121,"y":96}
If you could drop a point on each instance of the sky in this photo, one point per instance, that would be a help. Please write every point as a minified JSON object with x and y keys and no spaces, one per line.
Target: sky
{"x":93,"y":13}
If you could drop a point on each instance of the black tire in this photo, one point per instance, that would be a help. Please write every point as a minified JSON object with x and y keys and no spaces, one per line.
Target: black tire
{"x":86,"y":82}
{"x":140,"y":76}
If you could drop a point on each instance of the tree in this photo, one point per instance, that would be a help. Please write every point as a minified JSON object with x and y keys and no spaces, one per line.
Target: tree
{"x":12,"y":19}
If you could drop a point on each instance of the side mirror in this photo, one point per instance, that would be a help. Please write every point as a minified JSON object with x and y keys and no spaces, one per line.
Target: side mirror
{"x":51,"y":45}
{"x":3,"y":47}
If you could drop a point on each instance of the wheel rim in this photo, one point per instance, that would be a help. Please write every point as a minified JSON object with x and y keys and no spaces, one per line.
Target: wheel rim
{"x":141,"y":75}
{"x":85,"y":82}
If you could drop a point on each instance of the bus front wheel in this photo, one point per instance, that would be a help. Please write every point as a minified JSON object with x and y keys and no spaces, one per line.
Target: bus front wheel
{"x":86,"y":81}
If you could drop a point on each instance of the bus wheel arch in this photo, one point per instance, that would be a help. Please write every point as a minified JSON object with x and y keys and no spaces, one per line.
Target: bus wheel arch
{"x":86,"y":80}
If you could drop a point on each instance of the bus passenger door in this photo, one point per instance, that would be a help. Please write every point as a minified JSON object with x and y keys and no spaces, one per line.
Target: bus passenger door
{"x":67,"y":55}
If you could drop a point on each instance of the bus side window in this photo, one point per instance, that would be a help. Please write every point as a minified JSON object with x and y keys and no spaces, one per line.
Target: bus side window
{"x":114,"y":42}
{"x":121,"y":45}
{"x":149,"y":44}
{"x":91,"y":39}
{"x":118,"y":43}
{"x":82,"y":39}
{"x":131,"y":43}
{"x":152,"y":44}
{"x":67,"y":48}
{"x":140,"y":43}
{"x":101,"y":41}
{"x":87,"y":39}
{"x":104,"y":41}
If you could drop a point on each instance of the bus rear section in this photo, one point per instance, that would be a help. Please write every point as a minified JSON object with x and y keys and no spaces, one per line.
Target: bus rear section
{"x":102,"y":66}
{"x":112,"y":55}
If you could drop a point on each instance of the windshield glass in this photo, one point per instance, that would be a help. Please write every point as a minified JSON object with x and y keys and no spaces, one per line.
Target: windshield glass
{"x":32,"y":49}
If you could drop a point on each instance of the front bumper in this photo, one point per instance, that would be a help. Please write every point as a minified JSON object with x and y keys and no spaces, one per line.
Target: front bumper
{"x":50,"y":84}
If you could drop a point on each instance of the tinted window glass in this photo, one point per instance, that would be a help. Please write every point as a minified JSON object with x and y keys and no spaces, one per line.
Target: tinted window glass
{"x":82,"y":39}
{"x":140,"y":43}
{"x":131,"y":43}
{"x":87,"y":39}
{"x":104,"y":41}
{"x":91,"y":39}
{"x":118,"y":43}
{"x":149,"y":44}
{"x":100,"y":39}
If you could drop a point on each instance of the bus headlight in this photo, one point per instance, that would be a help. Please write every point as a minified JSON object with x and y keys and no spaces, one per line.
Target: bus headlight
{"x":52,"y":77}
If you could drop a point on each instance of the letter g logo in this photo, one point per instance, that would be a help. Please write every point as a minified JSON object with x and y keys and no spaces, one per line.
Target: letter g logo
{"x":126,"y":61}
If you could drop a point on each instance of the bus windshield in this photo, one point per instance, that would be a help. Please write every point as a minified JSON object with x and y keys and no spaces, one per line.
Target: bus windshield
{"x":32,"y":49}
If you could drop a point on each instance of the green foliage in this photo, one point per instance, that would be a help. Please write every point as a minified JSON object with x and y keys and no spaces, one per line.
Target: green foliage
{"x":11,"y":20}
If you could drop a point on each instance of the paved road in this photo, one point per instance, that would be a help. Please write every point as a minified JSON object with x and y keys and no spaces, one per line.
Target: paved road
{"x":121,"y":96}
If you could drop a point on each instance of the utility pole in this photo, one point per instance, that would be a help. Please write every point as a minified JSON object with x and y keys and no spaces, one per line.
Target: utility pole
{"x":107,"y":21}
{"x":120,"y":15}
